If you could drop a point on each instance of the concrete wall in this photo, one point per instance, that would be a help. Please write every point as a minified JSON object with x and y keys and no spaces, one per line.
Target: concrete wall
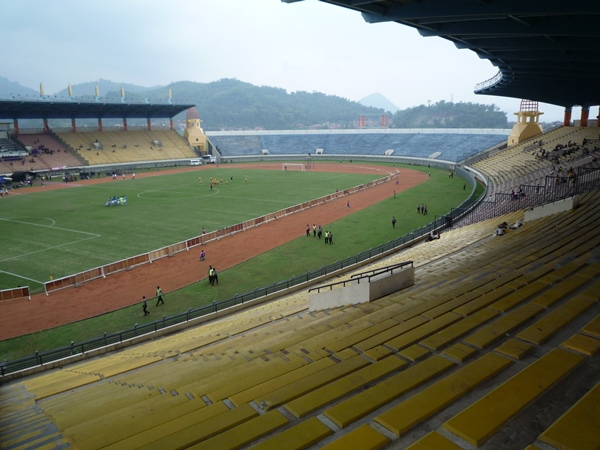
{"x":551,"y":208}
{"x":362,"y":291}
{"x":352,"y":294}
{"x":387,"y":284}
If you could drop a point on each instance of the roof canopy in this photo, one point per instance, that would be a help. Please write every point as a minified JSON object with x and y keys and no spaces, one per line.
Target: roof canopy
{"x":545,"y":50}
{"x":94,"y":110}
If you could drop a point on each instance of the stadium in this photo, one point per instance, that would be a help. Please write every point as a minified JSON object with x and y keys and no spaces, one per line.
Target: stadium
{"x":472,"y":323}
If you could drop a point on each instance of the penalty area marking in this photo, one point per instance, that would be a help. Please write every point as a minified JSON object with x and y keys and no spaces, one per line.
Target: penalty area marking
{"x":50,"y":248}
{"x":51,"y":226}
{"x":21,"y":276}
{"x":90,"y":236}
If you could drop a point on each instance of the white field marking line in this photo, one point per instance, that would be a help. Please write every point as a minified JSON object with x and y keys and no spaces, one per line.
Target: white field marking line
{"x":338,"y":176}
{"x":384,"y":170}
{"x":255,"y":200}
{"x":68,"y":185}
{"x":186,"y":193}
{"x":21,"y":276}
{"x":51,"y":226}
{"x":50,"y":248}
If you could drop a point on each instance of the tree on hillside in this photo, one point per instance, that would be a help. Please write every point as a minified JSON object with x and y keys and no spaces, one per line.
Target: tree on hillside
{"x":450,"y":115}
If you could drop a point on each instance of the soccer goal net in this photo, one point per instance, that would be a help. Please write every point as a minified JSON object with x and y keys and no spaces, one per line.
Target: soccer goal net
{"x":295,"y":166}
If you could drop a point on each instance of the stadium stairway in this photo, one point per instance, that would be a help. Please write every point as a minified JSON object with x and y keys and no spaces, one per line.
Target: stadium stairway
{"x":495,"y":346}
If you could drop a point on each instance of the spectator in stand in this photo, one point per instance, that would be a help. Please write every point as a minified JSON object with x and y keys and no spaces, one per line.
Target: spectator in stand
{"x":515,"y":225}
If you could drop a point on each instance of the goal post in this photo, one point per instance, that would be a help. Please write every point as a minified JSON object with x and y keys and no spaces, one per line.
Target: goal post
{"x":293,"y":166}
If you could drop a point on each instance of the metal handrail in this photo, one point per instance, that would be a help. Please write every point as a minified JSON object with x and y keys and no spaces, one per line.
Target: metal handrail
{"x":361,"y":276}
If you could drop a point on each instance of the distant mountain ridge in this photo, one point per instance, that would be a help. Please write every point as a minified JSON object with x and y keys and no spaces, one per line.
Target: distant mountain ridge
{"x":8,"y":88}
{"x":105,"y":87}
{"x":378,"y":100}
{"x":231,"y":104}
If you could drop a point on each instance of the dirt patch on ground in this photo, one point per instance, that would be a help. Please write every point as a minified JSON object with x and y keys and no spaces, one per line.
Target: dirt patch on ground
{"x":23,"y":316}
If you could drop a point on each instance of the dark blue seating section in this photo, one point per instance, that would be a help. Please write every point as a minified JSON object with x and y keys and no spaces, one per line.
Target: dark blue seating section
{"x":451,"y":147}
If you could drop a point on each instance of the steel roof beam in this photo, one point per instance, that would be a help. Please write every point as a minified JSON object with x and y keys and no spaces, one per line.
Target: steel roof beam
{"x":584,"y":26}
{"x":525,"y":43}
{"x":474,"y":10}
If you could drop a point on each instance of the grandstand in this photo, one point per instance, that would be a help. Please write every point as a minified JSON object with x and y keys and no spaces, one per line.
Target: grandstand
{"x":69,"y":152}
{"x":49,"y":153}
{"x":120,"y":147}
{"x":74,"y":152}
{"x":536,"y":180}
{"x":448,"y":145}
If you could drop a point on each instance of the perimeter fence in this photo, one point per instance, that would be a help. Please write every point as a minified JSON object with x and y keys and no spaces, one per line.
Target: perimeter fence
{"x":551,"y":189}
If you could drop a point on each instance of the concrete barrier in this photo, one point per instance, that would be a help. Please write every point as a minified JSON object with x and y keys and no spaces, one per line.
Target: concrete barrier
{"x":551,"y":208}
{"x":362,"y":290}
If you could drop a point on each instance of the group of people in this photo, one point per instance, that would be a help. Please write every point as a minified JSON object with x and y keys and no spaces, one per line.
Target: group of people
{"x":559,"y":173}
{"x":318,"y":232}
{"x":515,"y":195}
{"x":567,"y":152}
{"x":503,"y":228}
{"x":159,"y":300}
{"x":422,"y":209}
{"x":117,"y":200}
{"x":216,"y":181}
{"x":213,"y":276}
{"x":115,"y":175}
{"x":42,"y":149}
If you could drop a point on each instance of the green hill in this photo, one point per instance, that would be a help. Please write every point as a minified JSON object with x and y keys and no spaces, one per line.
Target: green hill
{"x":451,"y":115}
{"x":231,"y":104}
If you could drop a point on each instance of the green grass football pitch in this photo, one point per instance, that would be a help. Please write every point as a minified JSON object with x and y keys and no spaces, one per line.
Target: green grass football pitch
{"x":356,"y":233}
{"x":66,"y":231}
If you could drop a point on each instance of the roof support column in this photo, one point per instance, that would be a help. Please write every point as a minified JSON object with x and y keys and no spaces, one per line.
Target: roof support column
{"x":124,"y":124}
{"x":567,"y":118}
{"x":73,"y":125}
{"x":172,"y":124}
{"x":598,"y":118}
{"x":149,"y":125}
{"x":99,"y":124}
{"x":46,"y":127}
{"x":585,"y":113}
{"x":16,"y":126}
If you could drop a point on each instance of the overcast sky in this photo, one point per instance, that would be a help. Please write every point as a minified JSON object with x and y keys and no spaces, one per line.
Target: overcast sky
{"x":305,"y":46}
